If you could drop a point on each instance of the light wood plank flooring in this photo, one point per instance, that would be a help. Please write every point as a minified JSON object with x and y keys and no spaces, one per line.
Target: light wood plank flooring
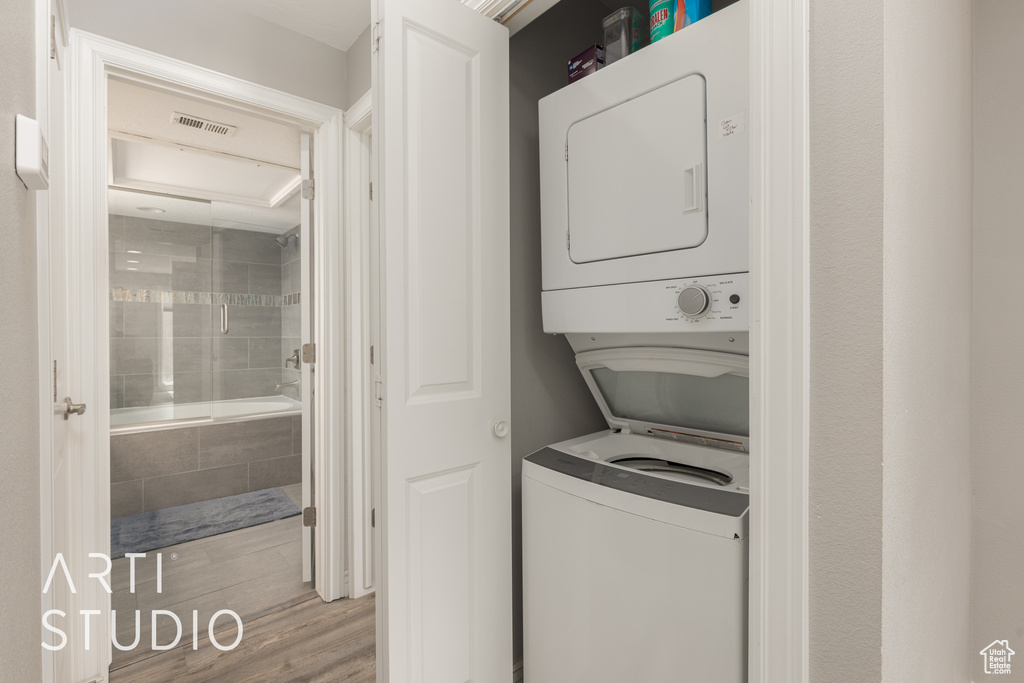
{"x":257,"y":572}
{"x":312,"y":642}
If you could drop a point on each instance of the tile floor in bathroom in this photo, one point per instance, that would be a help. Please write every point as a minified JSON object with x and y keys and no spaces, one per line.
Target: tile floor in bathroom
{"x":253,"y":571}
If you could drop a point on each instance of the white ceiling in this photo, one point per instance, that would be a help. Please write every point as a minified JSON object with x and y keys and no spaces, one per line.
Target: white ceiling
{"x":335,"y":22}
{"x":141,"y":110}
{"x":220,"y":214}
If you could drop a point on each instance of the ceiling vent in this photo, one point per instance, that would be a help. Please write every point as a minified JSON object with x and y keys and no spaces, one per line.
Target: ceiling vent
{"x":197,"y":123}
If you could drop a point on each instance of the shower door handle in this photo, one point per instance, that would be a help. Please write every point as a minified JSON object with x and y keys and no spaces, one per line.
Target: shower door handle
{"x":223,"y":318}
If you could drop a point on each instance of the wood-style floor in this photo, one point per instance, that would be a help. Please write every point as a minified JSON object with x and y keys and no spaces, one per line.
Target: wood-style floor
{"x":257,"y":573}
{"x":312,"y":642}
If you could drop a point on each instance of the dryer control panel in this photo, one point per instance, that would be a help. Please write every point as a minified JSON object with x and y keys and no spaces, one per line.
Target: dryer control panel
{"x":710,"y":299}
{"x":715,"y":303}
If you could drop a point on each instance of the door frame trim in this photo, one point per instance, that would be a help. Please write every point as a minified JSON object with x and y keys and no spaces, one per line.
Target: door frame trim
{"x":92,"y":59}
{"x":358,"y":122}
{"x":779,"y":341}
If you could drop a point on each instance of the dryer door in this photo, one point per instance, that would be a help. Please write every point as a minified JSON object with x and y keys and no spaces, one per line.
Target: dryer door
{"x":637,"y":175}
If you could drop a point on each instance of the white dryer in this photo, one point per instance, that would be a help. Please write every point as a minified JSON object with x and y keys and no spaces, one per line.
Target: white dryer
{"x":644,"y":185}
{"x":635,"y":538}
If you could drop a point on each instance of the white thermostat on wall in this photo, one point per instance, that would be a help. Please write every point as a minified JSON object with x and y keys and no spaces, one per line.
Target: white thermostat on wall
{"x":31,"y":155}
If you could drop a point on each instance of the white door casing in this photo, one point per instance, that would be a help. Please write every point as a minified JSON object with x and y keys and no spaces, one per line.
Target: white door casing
{"x":59,"y":438}
{"x":87,"y":520}
{"x":440,"y":103}
{"x":306,"y":370}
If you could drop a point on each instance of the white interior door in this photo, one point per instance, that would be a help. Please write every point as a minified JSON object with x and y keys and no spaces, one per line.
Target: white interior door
{"x":307,"y":369}
{"x":440,"y":90}
{"x":58,"y":442}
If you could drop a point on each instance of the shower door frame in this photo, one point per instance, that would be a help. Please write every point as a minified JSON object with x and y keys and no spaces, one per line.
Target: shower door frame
{"x":93,"y":60}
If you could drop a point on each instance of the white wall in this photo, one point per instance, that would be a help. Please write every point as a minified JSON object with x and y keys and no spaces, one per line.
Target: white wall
{"x":214,"y":36}
{"x":891,"y":267}
{"x":358,"y":67}
{"x":20,"y":585}
{"x":997,"y":609}
{"x":926,"y":303}
{"x":846,"y":152}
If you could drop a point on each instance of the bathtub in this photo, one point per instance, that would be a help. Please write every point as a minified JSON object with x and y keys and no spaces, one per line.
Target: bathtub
{"x":170,"y":415}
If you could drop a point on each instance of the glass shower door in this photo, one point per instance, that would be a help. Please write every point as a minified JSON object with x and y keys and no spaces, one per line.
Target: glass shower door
{"x":161,"y":275}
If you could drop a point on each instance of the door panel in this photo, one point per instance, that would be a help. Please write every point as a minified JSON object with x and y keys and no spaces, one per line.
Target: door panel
{"x":441,"y":149}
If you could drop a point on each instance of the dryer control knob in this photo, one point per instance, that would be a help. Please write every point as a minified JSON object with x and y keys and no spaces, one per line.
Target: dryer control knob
{"x":694,"y":301}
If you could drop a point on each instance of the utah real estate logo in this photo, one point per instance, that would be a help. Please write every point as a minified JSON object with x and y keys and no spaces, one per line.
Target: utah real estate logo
{"x":997,"y":657}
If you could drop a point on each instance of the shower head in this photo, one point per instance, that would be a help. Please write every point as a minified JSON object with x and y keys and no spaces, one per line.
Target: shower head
{"x":283,"y":238}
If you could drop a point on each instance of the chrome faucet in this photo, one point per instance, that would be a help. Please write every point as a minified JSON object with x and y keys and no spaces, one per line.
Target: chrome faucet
{"x":293,"y":383}
{"x":294,"y":358}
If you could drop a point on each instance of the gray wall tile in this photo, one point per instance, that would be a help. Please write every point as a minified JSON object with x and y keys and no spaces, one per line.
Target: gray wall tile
{"x":238,"y":442}
{"x":249,"y":321}
{"x":264,"y":474}
{"x":116,"y":318}
{"x":192,"y":276}
{"x":231,"y":277}
{"x":142,"y":319}
{"x":116,"y":391}
{"x":297,"y":435}
{"x":291,"y":321}
{"x":192,"y":487}
{"x":134,"y":355}
{"x":230,"y":353}
{"x":194,"y":320}
{"x":246,"y":245}
{"x":192,"y":354}
{"x":245,"y":383}
{"x":115,"y":232}
{"x":166,"y":238}
{"x":266,"y":352}
{"x":152,"y":454}
{"x":126,"y":498}
{"x":264,"y":279}
{"x":292,"y":251}
{"x":144,"y":390}
{"x":152,"y":272}
{"x":291,"y":275}
{"x":193,"y":387}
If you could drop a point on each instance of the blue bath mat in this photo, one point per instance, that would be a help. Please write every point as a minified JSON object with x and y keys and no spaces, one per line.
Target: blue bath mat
{"x":161,"y":528}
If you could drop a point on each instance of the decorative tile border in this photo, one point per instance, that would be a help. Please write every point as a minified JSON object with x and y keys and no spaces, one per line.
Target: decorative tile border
{"x":215,"y":298}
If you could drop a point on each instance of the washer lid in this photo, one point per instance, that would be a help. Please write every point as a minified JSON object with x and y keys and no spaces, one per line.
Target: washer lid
{"x":686,"y":395}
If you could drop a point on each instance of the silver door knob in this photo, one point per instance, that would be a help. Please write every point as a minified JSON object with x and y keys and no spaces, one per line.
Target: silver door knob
{"x":501,"y":429}
{"x":73,"y":408}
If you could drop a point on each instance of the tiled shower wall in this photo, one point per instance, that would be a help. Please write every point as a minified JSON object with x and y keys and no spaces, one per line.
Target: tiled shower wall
{"x":159,"y":469}
{"x":166,"y":345}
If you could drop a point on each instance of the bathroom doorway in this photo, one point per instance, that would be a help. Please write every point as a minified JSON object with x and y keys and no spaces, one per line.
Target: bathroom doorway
{"x":212,"y":311}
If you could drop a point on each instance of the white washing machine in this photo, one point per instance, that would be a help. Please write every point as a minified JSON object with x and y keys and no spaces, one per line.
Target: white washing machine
{"x":644,"y":186}
{"x":635,"y":539}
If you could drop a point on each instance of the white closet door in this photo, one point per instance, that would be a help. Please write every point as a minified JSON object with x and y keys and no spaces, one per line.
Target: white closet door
{"x":441,"y":146}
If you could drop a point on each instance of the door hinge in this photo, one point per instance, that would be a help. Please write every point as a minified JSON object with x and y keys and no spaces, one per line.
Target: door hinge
{"x":309,"y":189}
{"x":373,"y":517}
{"x":54,"y":381}
{"x":309,"y":516}
{"x":375,"y":35}
{"x":309,"y":353}
{"x":378,"y":392}
{"x":567,"y":151}
{"x":53,"y":37}
{"x":371,"y":360}
{"x":567,"y":238}
{"x":371,"y":191}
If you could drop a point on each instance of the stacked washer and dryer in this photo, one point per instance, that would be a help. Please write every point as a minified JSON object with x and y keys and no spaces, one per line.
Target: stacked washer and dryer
{"x":635,"y":538}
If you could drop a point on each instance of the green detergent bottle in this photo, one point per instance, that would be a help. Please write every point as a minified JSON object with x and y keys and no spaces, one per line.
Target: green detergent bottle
{"x":663,"y":18}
